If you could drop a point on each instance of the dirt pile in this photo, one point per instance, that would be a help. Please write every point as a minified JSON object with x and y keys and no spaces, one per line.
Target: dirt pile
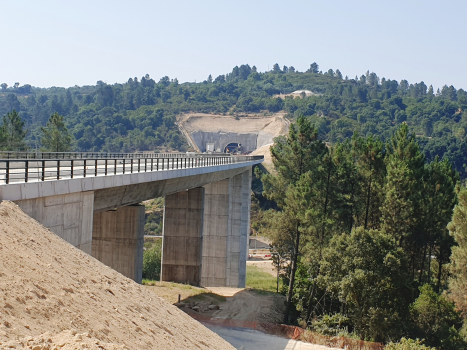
{"x":245,"y":305}
{"x":52,"y":295}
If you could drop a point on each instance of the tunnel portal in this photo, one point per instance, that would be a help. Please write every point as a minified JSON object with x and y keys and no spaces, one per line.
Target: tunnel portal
{"x":233,"y":148}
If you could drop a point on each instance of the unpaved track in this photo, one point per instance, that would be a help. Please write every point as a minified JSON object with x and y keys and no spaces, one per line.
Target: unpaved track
{"x":47,"y":286}
{"x":248,"y":339}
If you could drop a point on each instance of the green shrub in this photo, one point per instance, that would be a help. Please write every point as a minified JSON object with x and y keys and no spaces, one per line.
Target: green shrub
{"x":331,"y":325}
{"x":437,"y":320}
{"x":152,"y":261}
{"x":408,"y":344}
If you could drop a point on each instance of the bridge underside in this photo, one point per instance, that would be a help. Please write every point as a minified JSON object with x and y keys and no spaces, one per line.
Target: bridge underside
{"x":206,"y":224}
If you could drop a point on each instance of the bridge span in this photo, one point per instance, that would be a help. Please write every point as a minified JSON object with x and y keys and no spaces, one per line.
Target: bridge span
{"x":91,"y":200}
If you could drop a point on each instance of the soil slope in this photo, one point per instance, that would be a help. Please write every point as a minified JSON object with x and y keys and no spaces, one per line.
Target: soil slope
{"x":53,"y":296}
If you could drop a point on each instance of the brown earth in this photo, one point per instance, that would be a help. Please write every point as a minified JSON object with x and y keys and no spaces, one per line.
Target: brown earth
{"x":275,"y":124}
{"x":241,"y":305}
{"x":56,"y":296}
{"x":265,"y":151}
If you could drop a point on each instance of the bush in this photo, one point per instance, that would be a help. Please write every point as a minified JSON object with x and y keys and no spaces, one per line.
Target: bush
{"x":437,"y":320}
{"x":152,"y":261}
{"x":408,"y":344}
{"x":331,"y":325}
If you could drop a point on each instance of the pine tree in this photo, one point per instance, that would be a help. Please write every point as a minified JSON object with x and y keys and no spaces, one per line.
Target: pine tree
{"x":296,"y":159}
{"x":55,"y":136}
{"x":12,"y":132}
{"x":458,"y":229}
{"x":405,"y":170}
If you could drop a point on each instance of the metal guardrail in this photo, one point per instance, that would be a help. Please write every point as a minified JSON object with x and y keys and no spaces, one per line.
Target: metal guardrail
{"x":23,"y":170}
{"x":100,"y":155}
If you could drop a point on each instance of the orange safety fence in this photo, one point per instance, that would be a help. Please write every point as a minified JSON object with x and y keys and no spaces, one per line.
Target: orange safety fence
{"x":292,"y":332}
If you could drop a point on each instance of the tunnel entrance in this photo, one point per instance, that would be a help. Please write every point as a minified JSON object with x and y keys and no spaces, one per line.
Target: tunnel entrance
{"x":233,"y":148}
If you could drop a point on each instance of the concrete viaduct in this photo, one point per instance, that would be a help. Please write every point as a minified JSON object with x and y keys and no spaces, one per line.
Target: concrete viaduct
{"x":91,"y":200}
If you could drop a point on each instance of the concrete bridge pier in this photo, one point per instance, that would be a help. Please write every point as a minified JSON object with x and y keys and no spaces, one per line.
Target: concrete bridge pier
{"x":206,"y":234}
{"x":118,"y":238}
{"x":182,"y":242}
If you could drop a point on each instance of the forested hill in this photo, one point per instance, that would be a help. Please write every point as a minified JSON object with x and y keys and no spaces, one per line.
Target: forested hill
{"x":140,"y":114}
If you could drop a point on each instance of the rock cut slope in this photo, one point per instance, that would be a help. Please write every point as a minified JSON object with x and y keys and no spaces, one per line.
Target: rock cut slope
{"x":54,"y":296}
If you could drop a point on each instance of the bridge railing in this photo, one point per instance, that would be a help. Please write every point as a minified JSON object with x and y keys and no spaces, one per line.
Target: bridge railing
{"x":100,"y":155}
{"x":33,"y":170}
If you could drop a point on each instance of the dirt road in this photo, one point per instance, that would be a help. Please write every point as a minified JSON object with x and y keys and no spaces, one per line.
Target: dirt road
{"x":248,"y":339}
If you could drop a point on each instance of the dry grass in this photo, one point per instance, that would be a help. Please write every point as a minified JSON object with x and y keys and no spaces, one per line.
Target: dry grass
{"x":169,"y":291}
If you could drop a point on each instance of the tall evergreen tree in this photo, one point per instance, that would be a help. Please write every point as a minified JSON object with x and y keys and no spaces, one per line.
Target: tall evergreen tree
{"x":458,"y":229}
{"x":55,"y":136}
{"x":296,"y":159}
{"x":405,"y":170}
{"x":12,"y":132}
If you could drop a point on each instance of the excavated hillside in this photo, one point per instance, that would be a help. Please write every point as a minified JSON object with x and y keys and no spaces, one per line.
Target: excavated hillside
{"x":250,"y":130}
{"x":54,"y":296}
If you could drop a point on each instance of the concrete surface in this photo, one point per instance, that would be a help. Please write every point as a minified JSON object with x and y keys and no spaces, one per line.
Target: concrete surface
{"x":118,"y":238}
{"x":250,"y":130}
{"x":225,"y":231}
{"x":182,"y":237}
{"x":29,"y":190}
{"x":138,"y":191}
{"x":69,"y":216}
{"x":215,"y":233}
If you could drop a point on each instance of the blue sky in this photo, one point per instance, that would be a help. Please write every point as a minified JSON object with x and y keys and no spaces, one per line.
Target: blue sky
{"x":64,"y":43}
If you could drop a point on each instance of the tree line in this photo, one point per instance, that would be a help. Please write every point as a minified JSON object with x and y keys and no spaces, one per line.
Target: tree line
{"x":140,"y":114}
{"x":54,"y":136}
{"x":364,"y":227}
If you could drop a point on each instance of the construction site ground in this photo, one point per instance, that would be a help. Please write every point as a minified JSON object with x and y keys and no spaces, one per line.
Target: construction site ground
{"x":247,"y":122}
{"x":55,"y":296}
{"x":217,"y":306}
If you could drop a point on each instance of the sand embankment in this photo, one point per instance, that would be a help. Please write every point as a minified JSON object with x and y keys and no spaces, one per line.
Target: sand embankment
{"x":54,"y":296}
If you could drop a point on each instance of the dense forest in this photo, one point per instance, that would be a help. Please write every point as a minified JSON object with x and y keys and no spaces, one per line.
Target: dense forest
{"x":139,"y":115}
{"x":367,"y":238}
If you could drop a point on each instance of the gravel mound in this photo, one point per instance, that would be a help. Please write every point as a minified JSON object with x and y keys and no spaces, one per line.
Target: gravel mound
{"x":54,"y":296}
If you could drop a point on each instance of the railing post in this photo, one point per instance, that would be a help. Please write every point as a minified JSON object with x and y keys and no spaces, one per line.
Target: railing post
{"x":152,"y":164}
{"x":123,"y":165}
{"x":7,"y":173}
{"x":26,"y":170}
{"x":115,"y":167}
{"x":95,"y":167}
{"x":84,"y":171}
{"x":58,"y":169}
{"x":43,"y":170}
{"x":105,"y":171}
{"x":72,"y":167}
{"x":145,"y":164}
{"x":131,"y":171}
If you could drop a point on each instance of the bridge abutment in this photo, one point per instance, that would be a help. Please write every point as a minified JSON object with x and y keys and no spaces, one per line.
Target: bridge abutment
{"x":69,"y":216}
{"x":118,"y":238}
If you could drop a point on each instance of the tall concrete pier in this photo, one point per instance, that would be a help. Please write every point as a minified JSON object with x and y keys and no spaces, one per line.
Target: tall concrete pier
{"x":206,"y":233}
{"x":91,"y":201}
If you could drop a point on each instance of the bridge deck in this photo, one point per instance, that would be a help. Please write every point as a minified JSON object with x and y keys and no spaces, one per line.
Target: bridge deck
{"x":32,"y":167}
